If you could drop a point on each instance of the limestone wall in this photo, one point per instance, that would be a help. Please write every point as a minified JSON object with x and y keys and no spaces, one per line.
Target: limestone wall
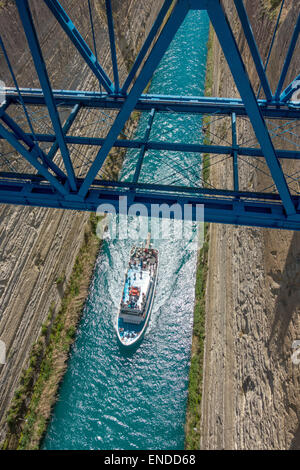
{"x":251,"y":388}
{"x":38,"y":245}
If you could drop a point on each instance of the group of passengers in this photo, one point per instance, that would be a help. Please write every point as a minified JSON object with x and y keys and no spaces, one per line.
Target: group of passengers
{"x":143,"y":257}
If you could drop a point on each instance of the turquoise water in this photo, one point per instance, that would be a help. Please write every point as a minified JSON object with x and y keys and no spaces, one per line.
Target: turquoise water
{"x":110,"y":399}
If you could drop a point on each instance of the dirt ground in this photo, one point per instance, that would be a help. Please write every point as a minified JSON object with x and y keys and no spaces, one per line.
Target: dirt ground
{"x":38,"y":245}
{"x":251,"y":387}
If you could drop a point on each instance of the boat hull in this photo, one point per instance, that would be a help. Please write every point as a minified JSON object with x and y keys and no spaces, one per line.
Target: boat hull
{"x":138,"y":330}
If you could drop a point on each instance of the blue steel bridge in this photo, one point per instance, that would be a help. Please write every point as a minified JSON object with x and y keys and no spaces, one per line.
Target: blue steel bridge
{"x":43,"y":172}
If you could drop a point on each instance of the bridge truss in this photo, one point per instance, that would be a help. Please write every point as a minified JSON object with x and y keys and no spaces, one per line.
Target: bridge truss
{"x":48,"y":176}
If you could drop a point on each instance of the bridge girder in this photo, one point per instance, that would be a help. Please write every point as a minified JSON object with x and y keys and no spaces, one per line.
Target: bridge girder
{"x":55,"y":183}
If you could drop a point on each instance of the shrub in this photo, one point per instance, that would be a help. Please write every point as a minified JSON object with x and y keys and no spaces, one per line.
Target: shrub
{"x":275,"y":3}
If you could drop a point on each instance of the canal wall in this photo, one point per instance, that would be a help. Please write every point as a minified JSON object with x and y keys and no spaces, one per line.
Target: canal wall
{"x":39,"y":246}
{"x":251,"y":387}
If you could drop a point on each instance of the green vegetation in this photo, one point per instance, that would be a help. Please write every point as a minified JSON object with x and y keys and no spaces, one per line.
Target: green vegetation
{"x":60,"y":279}
{"x":205,"y":157}
{"x":192,"y":441}
{"x":270,"y":8}
{"x":208,"y":92}
{"x":32,"y":403}
{"x":275,"y":3}
{"x":209,"y":64}
{"x":193,"y":414}
{"x":31,"y":406}
{"x":4,"y":4}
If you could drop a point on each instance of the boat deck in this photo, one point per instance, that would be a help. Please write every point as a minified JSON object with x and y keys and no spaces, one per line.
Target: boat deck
{"x":136,"y":278}
{"x":137,"y":297}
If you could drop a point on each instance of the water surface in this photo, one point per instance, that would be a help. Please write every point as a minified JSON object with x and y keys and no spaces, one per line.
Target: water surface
{"x":115,"y":400}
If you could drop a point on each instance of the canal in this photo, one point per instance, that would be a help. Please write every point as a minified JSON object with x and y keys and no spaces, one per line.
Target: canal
{"x":110,"y":399}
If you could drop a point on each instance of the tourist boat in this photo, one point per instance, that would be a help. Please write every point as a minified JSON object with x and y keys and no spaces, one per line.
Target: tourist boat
{"x":138,"y":295}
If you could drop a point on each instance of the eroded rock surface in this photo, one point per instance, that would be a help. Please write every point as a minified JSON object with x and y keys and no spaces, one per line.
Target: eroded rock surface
{"x":251,"y":387}
{"x":39,"y":246}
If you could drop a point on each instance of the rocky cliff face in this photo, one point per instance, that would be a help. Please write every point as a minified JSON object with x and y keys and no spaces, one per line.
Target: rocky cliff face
{"x":38,"y":245}
{"x":251,"y":387}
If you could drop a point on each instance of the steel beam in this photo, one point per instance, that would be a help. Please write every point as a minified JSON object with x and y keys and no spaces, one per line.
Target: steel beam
{"x":143,"y":147}
{"x":288,"y":58}
{"x":171,"y":146}
{"x":4,"y":107}
{"x":142,"y":54}
{"x":26,"y":18}
{"x":67,"y":126}
{"x":275,"y":209}
{"x":161,"y":103}
{"x":176,"y":18}
{"x":31,"y":158}
{"x":234,"y":153}
{"x":290,"y":90}
{"x":235,"y":62}
{"x":162,"y":188}
{"x":33,"y":147}
{"x":226,"y":210}
{"x":110,"y":24}
{"x":80,"y":44}
{"x":253,"y":48}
